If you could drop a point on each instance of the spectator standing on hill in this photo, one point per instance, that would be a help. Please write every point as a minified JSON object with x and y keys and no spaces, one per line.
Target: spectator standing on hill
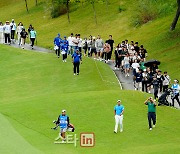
{"x":93,"y":48}
{"x":64,"y":48}
{"x":13,"y":30}
{"x":79,"y":43}
{"x":1,"y":33}
{"x":143,"y":52}
{"x":136,"y":48}
{"x":32,"y":34}
{"x":71,"y":44}
{"x":107,"y":49}
{"x":135,"y":66}
{"x":118,"y":112}
{"x":75,"y":42}
{"x":151,"y":112}
{"x":57,"y":43}
{"x":85,"y":46}
{"x":144,"y":80}
{"x":89,"y":42}
{"x":7,"y":32}
{"x":24,"y":35}
{"x":166,"y":81}
{"x":76,"y":59}
{"x":138,"y":80}
{"x":155,"y":84}
{"x":19,"y":30}
{"x":176,"y":89}
{"x":110,"y":42}
{"x":160,"y":80}
{"x":153,"y":68}
{"x":29,"y":29}
{"x":117,"y":53}
{"x":150,"y":79}
{"x":126,"y":65}
{"x":99,"y":46}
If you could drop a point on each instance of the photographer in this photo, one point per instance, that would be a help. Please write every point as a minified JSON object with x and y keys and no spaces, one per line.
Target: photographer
{"x":151,"y":111}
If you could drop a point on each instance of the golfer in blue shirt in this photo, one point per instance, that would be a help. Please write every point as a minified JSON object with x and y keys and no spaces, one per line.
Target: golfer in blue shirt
{"x":118,"y":111}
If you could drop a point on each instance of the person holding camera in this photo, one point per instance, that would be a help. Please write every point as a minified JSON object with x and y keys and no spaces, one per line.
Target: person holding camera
{"x":151,"y":111}
{"x":63,"y":123}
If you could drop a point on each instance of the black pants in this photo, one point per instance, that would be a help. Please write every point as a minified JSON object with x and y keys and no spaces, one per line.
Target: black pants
{"x":144,"y":86}
{"x":151,"y":115}
{"x":85,"y":50}
{"x":155,"y":93}
{"x":64,"y":56}
{"x":160,"y":86}
{"x":7,"y":38}
{"x":165,"y":87}
{"x":76,"y":67}
{"x":80,"y":49}
{"x":58,"y":52}
{"x":177,"y":99}
{"x":32,"y":41}
{"x":105,"y":55}
{"x":109,"y":55}
{"x":12,"y":34}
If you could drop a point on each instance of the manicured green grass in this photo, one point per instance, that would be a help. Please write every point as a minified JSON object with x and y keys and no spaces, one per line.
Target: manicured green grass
{"x":35,"y":87}
{"x":160,"y":43}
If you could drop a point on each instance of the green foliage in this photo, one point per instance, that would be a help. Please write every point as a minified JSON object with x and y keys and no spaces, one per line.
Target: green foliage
{"x":148,"y":10}
{"x":58,"y":8}
{"x":121,"y":8}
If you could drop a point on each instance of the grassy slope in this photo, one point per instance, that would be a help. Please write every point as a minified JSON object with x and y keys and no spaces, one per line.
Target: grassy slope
{"x":160,"y":43}
{"x":35,"y":87}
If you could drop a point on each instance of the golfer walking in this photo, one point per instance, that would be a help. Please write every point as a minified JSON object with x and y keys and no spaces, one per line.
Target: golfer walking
{"x":118,"y":112}
{"x":62,"y":122}
{"x":151,"y":112}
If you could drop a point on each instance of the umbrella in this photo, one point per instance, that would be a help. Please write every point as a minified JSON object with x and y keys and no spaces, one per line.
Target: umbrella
{"x":151,"y":62}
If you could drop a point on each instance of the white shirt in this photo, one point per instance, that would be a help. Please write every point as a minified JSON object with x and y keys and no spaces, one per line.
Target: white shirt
{"x":70,"y":39}
{"x":136,"y":57}
{"x":135,"y":65}
{"x":7,"y":29}
{"x":1,"y":29}
{"x":75,"y":41}
{"x":80,"y":42}
{"x":13,"y":25}
{"x":166,"y":80}
{"x":19,"y":29}
{"x":126,"y":60}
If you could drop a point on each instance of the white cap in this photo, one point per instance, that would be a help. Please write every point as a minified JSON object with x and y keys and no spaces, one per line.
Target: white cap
{"x":63,"y":110}
{"x":118,"y":100}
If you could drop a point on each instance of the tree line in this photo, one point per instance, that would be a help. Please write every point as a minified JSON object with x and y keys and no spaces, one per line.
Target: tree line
{"x":64,"y":5}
